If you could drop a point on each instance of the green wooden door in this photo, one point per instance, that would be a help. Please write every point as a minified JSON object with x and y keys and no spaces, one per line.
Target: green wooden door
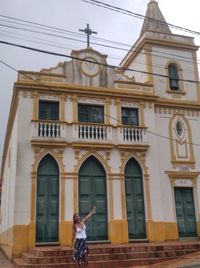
{"x":135,"y":200}
{"x":47,"y":207}
{"x":185,"y":212}
{"x":92,"y":191}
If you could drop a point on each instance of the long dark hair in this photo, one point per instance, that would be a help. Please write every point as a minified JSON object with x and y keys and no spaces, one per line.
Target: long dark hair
{"x":74,"y":218}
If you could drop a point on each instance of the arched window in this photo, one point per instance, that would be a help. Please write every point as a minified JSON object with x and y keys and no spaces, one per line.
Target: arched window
{"x":173,"y":76}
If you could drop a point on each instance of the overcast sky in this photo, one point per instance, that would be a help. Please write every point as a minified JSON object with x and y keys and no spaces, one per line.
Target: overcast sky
{"x":72,"y":15}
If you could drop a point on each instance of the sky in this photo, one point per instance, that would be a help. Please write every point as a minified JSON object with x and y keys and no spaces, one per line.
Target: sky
{"x":72,"y":15}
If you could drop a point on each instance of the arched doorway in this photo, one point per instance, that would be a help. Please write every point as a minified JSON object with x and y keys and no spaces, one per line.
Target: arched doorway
{"x":135,"y":200}
{"x":93,"y":191}
{"x":47,"y":204}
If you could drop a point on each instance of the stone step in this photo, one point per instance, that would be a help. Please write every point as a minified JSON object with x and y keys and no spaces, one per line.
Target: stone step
{"x":48,"y":251}
{"x":20,"y":263}
{"x":106,"y":256}
{"x":32,"y":259}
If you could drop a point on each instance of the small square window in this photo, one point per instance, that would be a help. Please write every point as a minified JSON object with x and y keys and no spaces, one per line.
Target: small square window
{"x":48,"y":110}
{"x":90,"y":113}
{"x":130,"y":116}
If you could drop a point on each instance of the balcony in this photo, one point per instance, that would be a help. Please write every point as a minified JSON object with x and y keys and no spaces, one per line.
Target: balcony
{"x":87,"y":132}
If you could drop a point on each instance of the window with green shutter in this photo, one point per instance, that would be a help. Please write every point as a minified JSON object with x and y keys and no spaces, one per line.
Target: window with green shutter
{"x":48,"y":110}
{"x":130,"y":116}
{"x":90,"y":113}
{"x":173,"y":77}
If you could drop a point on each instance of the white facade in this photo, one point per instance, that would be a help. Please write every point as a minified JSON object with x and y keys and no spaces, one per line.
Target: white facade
{"x":160,"y":153}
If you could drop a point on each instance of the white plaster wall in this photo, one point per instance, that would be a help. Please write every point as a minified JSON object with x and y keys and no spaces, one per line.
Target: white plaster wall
{"x":115,"y":161}
{"x":69,"y":199}
{"x":69,"y":159}
{"x":9,"y":177}
{"x":117,"y":202}
{"x":113,"y":113}
{"x":69,"y":109}
{"x":138,"y":64}
{"x":162,"y":128}
{"x":153,"y":160}
{"x":24,"y":162}
{"x":160,"y":58}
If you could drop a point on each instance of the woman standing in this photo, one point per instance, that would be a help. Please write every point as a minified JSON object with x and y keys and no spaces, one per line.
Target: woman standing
{"x":79,"y":238}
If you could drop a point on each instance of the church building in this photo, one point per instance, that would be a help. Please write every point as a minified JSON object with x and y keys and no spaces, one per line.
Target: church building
{"x":124,"y":139}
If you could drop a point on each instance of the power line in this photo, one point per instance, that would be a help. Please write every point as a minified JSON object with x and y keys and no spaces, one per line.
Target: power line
{"x":46,"y":27}
{"x":90,"y":61}
{"x":148,"y":53}
{"x":46,"y":86}
{"x":137,"y":15}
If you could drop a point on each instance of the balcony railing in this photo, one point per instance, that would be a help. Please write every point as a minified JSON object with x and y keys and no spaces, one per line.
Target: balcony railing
{"x":93,"y":132}
{"x":133,"y":134}
{"x":88,"y":132}
{"x":48,"y":129}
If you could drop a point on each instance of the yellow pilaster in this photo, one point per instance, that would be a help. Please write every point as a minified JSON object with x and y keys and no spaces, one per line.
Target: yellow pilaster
{"x":62,"y":107}
{"x":35,"y":106}
{"x":118,"y":231}
{"x":107,"y":108}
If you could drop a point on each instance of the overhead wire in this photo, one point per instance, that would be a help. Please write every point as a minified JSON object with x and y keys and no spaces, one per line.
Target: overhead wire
{"x":137,"y":15}
{"x":94,"y":62}
{"x":46,"y":86}
{"x":43,"y":26}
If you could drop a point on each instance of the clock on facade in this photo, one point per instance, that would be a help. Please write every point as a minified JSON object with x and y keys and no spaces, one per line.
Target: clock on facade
{"x":90,"y":66}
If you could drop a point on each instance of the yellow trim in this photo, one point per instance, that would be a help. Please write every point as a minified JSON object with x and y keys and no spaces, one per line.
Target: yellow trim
{"x":181,"y":90}
{"x":97,"y":156}
{"x":148,"y":197}
{"x":35,"y":105}
{"x":182,"y":174}
{"x":123,"y":198}
{"x":75,"y":108}
{"x":62,"y":107}
{"x":150,"y":41}
{"x":110,"y":182}
{"x":65,"y":233}
{"x":107,"y":111}
{"x":119,"y":116}
{"x":173,"y":139}
{"x":148,"y":50}
{"x":62,"y":199}
{"x":198,"y":228}
{"x":196,"y":74}
{"x":161,"y":231}
{"x":142,"y":121}
{"x":118,"y":231}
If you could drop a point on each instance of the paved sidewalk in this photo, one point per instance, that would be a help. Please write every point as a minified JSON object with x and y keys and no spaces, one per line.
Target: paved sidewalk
{"x":4,"y":262}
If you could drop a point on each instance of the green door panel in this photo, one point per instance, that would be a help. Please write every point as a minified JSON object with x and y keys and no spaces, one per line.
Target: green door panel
{"x":185,"y":212}
{"x":134,"y":200}
{"x":47,"y":206}
{"x":93,"y":191}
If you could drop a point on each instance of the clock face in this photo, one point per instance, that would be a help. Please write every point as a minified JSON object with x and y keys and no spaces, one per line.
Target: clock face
{"x":90,"y":67}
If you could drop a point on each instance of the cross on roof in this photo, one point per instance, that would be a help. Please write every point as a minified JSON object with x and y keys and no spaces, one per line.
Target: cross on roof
{"x":89,"y":32}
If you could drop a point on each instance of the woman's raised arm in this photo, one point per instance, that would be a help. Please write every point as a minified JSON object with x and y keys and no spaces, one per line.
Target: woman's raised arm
{"x":90,"y":214}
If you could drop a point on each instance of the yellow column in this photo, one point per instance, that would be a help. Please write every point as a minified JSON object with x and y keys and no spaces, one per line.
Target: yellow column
{"x":35,"y":105}
{"x":107,"y":112}
{"x":148,"y":54}
{"x":75,"y":109}
{"x":142,"y":114}
{"x":62,"y":107}
{"x":118,"y":108}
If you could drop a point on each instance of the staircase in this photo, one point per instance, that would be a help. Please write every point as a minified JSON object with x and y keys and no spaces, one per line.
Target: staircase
{"x":107,"y":256}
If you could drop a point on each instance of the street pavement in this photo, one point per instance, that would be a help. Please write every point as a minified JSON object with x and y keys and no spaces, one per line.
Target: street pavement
{"x":4,"y":262}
